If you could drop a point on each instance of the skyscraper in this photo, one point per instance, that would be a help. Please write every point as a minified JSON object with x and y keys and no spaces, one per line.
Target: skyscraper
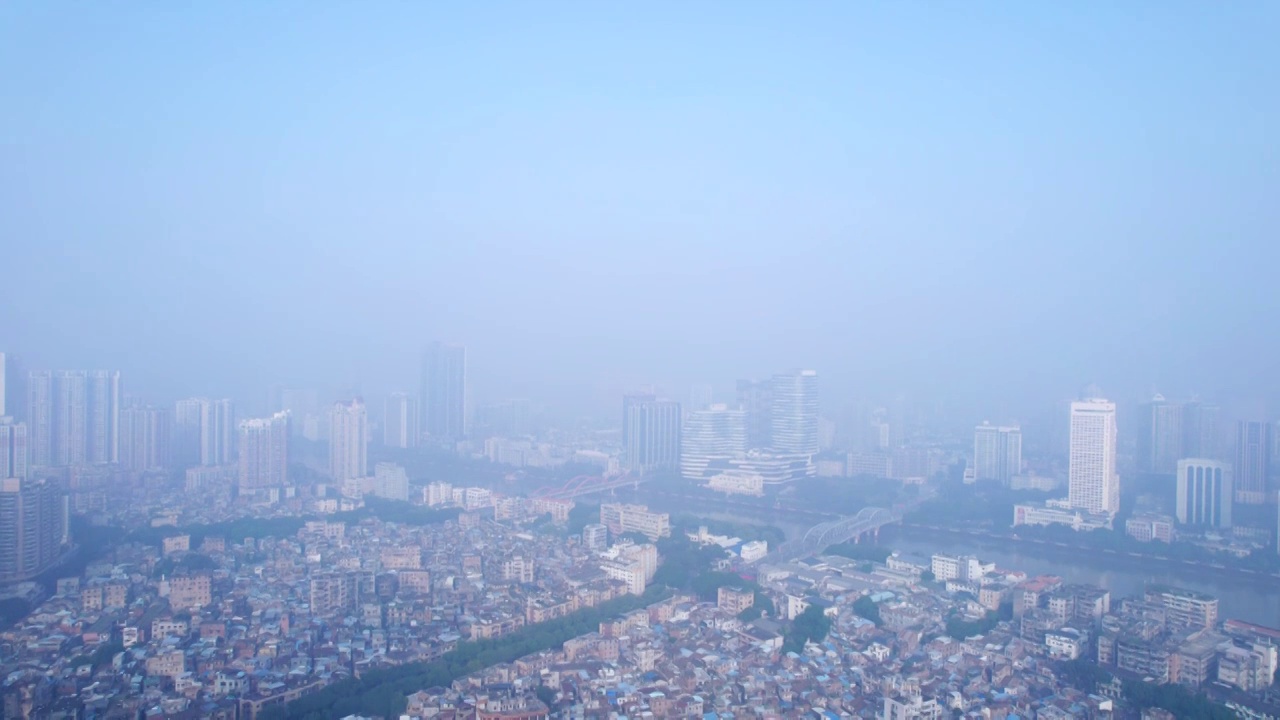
{"x":1204,"y":492}
{"x":755,"y":399}
{"x":400,"y":421}
{"x":75,"y":417}
{"x":145,"y":434}
{"x":103,"y":423}
{"x":650,"y":433}
{"x":1160,"y":436}
{"x":717,"y":433}
{"x":40,"y":426}
{"x":13,"y":449}
{"x":1253,"y":461}
{"x":348,"y":441}
{"x":997,"y":453}
{"x":444,"y":391}
{"x":1201,"y":431}
{"x":264,"y":451}
{"x":1092,"y":482}
{"x":13,"y":389}
{"x":70,"y":417}
{"x":794,"y":416}
{"x":205,"y":432}
{"x":33,"y":527}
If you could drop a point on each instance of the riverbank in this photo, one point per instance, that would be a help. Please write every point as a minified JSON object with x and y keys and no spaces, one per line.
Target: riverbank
{"x":1250,"y":597}
{"x":1141,"y":558}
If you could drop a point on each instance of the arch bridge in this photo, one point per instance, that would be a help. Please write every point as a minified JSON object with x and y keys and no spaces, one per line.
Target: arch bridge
{"x":842,"y":529}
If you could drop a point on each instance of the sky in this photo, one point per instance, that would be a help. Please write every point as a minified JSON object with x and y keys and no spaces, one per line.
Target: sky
{"x":987,"y":202}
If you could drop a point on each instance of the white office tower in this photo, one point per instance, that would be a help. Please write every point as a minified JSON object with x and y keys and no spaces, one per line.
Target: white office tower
{"x":717,"y":433}
{"x":794,"y":416}
{"x":997,"y":453}
{"x":1092,"y":482}
{"x":348,"y":441}
{"x":400,"y":421}
{"x":1205,"y":492}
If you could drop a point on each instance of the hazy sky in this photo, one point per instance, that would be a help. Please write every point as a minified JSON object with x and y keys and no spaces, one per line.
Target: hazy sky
{"x":1000,"y":199}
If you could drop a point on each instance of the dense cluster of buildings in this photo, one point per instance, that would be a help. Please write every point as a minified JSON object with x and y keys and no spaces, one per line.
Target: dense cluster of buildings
{"x":224,"y":627}
{"x":685,"y":658}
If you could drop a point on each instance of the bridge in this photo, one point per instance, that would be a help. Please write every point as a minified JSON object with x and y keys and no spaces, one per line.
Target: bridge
{"x":585,"y":485}
{"x":868,"y":520}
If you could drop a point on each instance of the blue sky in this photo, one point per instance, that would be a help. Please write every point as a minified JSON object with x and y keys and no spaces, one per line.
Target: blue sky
{"x":989,"y":201}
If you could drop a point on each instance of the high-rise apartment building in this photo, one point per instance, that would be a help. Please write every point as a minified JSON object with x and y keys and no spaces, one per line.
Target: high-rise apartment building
{"x":40,"y":425}
{"x":444,"y":391}
{"x":650,"y":433}
{"x":997,"y":453}
{"x":33,"y":527}
{"x":145,"y":434}
{"x":75,"y":417}
{"x":1092,"y":482}
{"x":1201,"y":431}
{"x":348,"y":441}
{"x":794,"y":415}
{"x":13,"y":449}
{"x":1161,"y":435}
{"x":1205,"y":493}
{"x":103,"y":424}
{"x":204,"y":432}
{"x":400,"y":421}
{"x":755,"y":399}
{"x":264,"y":451}
{"x":716,"y":433}
{"x":1253,"y":461}
{"x":13,"y":389}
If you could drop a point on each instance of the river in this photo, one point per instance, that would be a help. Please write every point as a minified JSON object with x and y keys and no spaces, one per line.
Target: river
{"x":1255,"y":600}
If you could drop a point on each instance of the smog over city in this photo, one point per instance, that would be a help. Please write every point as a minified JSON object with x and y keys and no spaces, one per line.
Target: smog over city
{"x":606,"y":360}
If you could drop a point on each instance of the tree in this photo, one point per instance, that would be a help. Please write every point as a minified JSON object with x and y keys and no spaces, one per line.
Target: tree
{"x":812,"y":625}
{"x":865,"y":607}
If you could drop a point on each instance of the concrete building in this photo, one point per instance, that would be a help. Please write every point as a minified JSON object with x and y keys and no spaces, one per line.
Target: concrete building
{"x":621,"y":519}
{"x":264,"y":452}
{"x":794,"y":414}
{"x":1253,"y":461}
{"x":390,"y":481}
{"x":595,"y":537}
{"x":145,"y":438}
{"x":1184,"y":608}
{"x":400,"y":421}
{"x":1160,"y":436}
{"x":348,"y":441}
{"x":33,"y":527}
{"x":734,"y":600}
{"x":1204,"y":492}
{"x":755,"y":400}
{"x":13,"y":449}
{"x":1146,"y":527}
{"x":715,"y":433}
{"x":651,"y":430}
{"x":75,"y":417}
{"x":997,"y":453}
{"x":204,"y":432}
{"x":444,"y":391}
{"x":1092,"y":482}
